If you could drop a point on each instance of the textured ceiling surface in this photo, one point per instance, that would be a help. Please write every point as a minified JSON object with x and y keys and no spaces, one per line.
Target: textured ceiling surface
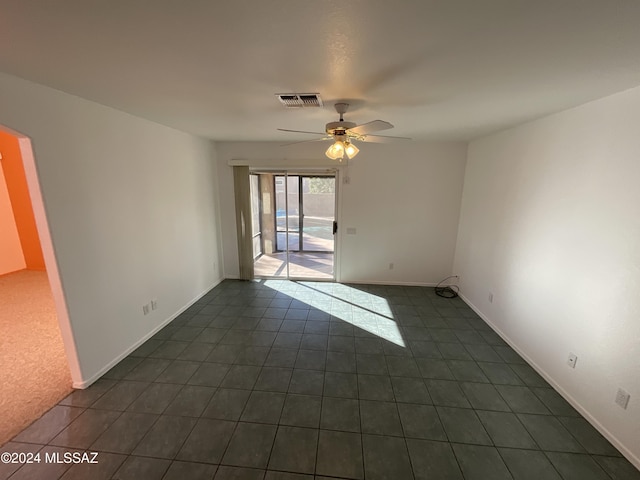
{"x":438,"y":70}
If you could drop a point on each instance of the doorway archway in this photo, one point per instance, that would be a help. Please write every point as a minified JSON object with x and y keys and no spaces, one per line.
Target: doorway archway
{"x":38,"y":353}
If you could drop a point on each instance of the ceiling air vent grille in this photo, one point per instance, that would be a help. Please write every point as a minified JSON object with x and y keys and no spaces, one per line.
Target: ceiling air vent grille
{"x":299,"y":100}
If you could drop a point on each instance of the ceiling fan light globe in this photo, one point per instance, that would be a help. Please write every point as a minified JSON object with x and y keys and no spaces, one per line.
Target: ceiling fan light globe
{"x":335,"y":151}
{"x":351,"y":150}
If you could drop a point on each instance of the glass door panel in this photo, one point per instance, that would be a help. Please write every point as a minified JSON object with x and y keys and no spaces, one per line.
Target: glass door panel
{"x":270,"y":209}
{"x":293,"y":212}
{"x":281,"y":212}
{"x":254,"y":183}
{"x":318,"y":208}
{"x":287,"y":212}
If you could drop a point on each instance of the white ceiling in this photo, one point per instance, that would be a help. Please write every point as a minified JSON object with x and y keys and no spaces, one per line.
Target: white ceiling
{"x":436,"y":69}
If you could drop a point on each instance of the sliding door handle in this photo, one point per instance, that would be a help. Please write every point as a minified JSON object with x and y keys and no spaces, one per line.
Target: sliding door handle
{"x":335,"y":227}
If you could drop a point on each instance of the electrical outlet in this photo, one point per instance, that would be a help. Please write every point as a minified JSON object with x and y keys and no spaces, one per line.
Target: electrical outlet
{"x":572,"y":359}
{"x":490,"y":297}
{"x":622,"y":398}
{"x":154,"y":304}
{"x":145,"y":309}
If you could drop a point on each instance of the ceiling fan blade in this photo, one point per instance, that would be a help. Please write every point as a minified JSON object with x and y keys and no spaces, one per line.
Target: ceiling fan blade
{"x":301,"y":131}
{"x":307,"y":141}
{"x":382,"y":138}
{"x":374,"y":126}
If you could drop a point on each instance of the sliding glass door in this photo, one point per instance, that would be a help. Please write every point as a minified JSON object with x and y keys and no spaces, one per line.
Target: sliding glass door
{"x":301,"y":210}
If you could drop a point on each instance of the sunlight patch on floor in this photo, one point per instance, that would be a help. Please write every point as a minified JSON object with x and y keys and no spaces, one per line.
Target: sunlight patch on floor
{"x":361,"y":309}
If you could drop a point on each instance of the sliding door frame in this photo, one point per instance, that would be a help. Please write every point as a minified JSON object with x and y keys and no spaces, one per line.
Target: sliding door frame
{"x":301,"y":205}
{"x":300,"y":173}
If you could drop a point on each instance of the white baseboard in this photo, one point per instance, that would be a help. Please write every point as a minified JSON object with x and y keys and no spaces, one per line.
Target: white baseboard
{"x":558,"y":388}
{"x":390,"y":283}
{"x":353,"y":282}
{"x":87,"y":382}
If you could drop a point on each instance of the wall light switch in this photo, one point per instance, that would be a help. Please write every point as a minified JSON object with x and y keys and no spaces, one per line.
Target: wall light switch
{"x":145,"y":309}
{"x":571,"y":361}
{"x":622,"y":398}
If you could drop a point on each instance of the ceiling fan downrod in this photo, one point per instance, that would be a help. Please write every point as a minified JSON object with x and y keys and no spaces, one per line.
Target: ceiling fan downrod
{"x":341,"y":108}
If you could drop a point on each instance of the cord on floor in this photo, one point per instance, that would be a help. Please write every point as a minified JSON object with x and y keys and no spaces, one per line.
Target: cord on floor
{"x":447,"y":291}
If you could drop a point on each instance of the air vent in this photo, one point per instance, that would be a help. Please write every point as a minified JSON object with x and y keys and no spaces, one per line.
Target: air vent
{"x":299,"y":100}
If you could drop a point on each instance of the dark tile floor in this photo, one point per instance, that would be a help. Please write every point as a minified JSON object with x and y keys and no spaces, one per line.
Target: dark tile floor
{"x":278,"y":380}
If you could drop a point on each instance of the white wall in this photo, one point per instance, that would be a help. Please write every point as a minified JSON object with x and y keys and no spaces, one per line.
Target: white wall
{"x":131,"y":207}
{"x":402,"y":199}
{"x":550,"y":224}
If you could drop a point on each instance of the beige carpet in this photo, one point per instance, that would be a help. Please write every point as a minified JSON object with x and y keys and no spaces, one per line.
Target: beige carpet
{"x":34,"y":374}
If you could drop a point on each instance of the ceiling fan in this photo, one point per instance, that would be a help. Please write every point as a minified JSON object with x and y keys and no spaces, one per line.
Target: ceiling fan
{"x":343,"y":134}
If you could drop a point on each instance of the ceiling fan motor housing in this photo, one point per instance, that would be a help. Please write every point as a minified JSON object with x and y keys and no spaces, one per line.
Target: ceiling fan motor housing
{"x":338,"y":128}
